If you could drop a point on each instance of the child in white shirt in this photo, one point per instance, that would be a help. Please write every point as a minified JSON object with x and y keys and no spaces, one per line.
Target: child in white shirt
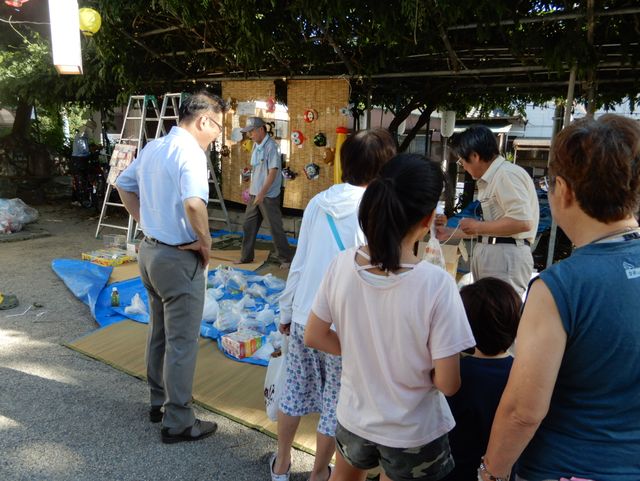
{"x":400,"y":326}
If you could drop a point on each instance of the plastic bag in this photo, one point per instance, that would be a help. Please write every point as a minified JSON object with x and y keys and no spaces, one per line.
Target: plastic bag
{"x":137,"y":306}
{"x":273,"y":282}
{"x":14,"y":214}
{"x":210,"y":311}
{"x":275,"y":338}
{"x":433,"y":251}
{"x":219,"y":278}
{"x":266,"y":316}
{"x":216,"y":292}
{"x":228,"y":317}
{"x":274,"y":381}
{"x":247,"y":302}
{"x":257,"y":321}
{"x":256,"y":290}
{"x":264,"y":353}
{"x":236,"y":281}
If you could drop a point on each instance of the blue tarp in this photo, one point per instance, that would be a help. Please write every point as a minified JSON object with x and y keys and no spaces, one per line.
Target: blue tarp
{"x":84,"y":279}
{"x":88,"y":282}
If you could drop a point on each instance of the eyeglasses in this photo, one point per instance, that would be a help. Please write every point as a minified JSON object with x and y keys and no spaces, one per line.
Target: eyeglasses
{"x":216,"y":123}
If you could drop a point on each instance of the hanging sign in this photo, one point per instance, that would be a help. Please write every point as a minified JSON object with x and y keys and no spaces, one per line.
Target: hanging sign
{"x":246,"y":108}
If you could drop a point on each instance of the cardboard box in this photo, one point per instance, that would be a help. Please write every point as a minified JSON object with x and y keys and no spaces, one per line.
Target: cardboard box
{"x":242,"y":343}
{"x":108,"y":257}
{"x":114,"y":241}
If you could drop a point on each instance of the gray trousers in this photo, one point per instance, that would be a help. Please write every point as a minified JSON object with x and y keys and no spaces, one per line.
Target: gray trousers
{"x":269,"y":208}
{"x":174,"y":280}
{"x":508,"y":262}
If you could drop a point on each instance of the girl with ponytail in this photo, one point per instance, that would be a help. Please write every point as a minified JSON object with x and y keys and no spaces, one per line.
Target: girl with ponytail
{"x":399,"y":326}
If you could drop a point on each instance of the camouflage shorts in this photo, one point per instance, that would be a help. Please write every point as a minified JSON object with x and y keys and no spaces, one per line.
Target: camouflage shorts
{"x":430,"y":462}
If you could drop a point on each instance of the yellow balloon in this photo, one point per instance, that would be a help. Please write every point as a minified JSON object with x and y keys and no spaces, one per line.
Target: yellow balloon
{"x":90,"y":21}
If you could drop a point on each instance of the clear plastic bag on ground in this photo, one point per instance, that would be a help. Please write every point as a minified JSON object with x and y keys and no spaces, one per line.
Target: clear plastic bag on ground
{"x":137,"y":306}
{"x":219,"y":279}
{"x":266,"y":315}
{"x":228,"y":317}
{"x":210,"y":311}
{"x":256,"y":290}
{"x":14,"y":214}
{"x":264,"y":353}
{"x":236,"y":281}
{"x":273,"y":282}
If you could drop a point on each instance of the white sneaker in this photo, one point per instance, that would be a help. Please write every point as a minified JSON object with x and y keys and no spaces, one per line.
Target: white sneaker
{"x":277,"y":477}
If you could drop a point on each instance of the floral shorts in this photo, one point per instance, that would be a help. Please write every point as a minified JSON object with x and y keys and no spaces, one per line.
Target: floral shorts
{"x":313,"y":382}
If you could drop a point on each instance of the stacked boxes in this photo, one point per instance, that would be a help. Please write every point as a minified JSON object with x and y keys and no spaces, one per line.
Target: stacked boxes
{"x":242,"y":343}
{"x":108,"y":257}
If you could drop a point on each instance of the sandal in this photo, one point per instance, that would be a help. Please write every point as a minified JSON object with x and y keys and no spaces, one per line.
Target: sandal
{"x":329,"y":467}
{"x":8,"y":301}
{"x":277,"y":477}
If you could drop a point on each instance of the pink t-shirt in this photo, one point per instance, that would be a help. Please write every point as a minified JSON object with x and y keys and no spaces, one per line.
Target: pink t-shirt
{"x":389,"y":337}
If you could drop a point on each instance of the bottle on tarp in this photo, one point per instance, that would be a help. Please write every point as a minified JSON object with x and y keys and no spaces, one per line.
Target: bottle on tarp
{"x":115,"y":297}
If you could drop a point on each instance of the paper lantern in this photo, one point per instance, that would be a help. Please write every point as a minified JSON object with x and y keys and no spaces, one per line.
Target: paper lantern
{"x":65,"y":36}
{"x":90,"y":21}
{"x":447,"y":123}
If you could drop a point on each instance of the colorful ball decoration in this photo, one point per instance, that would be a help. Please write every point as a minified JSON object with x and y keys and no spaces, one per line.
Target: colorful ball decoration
{"x":310,"y":115}
{"x":246,"y":174}
{"x":90,"y":21}
{"x":246,"y":196}
{"x":289,"y":174}
{"x":312,"y":171}
{"x":225,"y":151}
{"x":328,"y":156}
{"x":320,"y":140}
{"x":297,"y":138}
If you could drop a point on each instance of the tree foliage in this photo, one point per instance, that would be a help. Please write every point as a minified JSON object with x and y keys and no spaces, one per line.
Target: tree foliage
{"x":403,"y":55}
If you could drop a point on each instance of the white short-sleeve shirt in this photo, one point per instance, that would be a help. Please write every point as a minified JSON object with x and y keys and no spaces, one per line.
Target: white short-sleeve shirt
{"x":166,"y":172}
{"x":507,"y":190}
{"x":390,"y":334}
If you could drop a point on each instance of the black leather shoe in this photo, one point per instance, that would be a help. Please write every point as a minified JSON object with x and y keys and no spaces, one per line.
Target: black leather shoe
{"x":199,"y":430}
{"x":155,"y":414}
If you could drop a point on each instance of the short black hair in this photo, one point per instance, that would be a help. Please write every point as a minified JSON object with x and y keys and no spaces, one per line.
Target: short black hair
{"x":363,"y":154}
{"x":199,"y":103}
{"x":478,"y":139}
{"x":493,"y":308}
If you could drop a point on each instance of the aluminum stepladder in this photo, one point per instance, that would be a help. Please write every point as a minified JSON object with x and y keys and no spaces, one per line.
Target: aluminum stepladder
{"x":141,"y":110}
{"x":169,"y":117}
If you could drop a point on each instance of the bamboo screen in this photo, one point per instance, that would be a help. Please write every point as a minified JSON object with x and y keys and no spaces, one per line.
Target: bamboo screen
{"x":326,"y":97}
{"x":231,"y":166}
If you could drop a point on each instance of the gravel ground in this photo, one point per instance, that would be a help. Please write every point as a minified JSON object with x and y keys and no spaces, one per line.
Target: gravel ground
{"x":64,"y":416}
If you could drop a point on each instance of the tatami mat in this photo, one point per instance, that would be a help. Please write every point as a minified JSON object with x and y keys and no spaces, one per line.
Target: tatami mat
{"x":226,"y":387}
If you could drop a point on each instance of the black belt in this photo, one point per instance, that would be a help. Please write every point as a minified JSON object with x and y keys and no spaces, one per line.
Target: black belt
{"x":156,"y":241}
{"x":502,"y":240}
